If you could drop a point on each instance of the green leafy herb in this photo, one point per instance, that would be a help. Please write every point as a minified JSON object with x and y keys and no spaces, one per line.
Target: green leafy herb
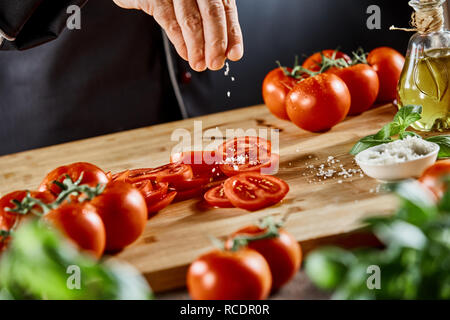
{"x":39,"y":264}
{"x":414,"y":263}
{"x":405,"y":117}
{"x":444,"y":145}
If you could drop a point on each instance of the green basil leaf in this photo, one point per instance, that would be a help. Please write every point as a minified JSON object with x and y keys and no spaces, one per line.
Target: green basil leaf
{"x":406,"y":116}
{"x":444,"y":145}
{"x":405,"y":134}
{"x":366,"y":143}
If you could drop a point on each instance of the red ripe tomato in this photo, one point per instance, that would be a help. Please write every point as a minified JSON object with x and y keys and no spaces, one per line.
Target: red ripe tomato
{"x":80,"y":223}
{"x":318,"y":103}
{"x":92,"y":176}
{"x":252,"y":191}
{"x":10,"y":218}
{"x":313,"y":63}
{"x":275,"y":88}
{"x":432,"y":177}
{"x":227,"y":275}
{"x":152,"y":191}
{"x":188,"y":194}
{"x":216,"y":197}
{"x":283,"y":253}
{"x":124,"y":213}
{"x":363,"y":84}
{"x":388,"y":63}
{"x":171,"y":173}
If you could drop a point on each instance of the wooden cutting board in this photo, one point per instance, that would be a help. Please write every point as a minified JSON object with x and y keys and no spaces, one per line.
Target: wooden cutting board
{"x":318,"y":208}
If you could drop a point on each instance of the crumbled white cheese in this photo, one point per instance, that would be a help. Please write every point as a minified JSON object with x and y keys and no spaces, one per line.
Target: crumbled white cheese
{"x":410,"y":148}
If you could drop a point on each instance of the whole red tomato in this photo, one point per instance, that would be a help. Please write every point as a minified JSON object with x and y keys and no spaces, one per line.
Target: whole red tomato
{"x":432,"y":178}
{"x":92,"y":175}
{"x":228,"y":275}
{"x":363,"y":84}
{"x":276,"y":86}
{"x":80,"y":223}
{"x":282,"y":253}
{"x":388,"y":63}
{"x":313,"y":62}
{"x":10,"y":218}
{"x":124,"y":213}
{"x":318,"y":103}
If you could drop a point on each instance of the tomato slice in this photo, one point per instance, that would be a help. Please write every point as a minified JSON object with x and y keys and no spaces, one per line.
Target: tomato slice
{"x":253,"y":191}
{"x":216,"y":197}
{"x":194,"y":183}
{"x":232,"y":169}
{"x":243,"y":149}
{"x":171,"y":173}
{"x":121,"y":176}
{"x":189,"y":194}
{"x":162,"y":203}
{"x":152,"y":191}
{"x":201,"y":162}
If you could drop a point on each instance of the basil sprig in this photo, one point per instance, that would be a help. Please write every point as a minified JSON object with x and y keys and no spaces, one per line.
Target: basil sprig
{"x":405,"y":117}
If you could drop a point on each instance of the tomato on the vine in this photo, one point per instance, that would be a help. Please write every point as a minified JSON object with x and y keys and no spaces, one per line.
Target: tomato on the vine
{"x":253,"y":191}
{"x":313,"y":63}
{"x":275,"y":88}
{"x":318,"y":103}
{"x":282,"y":253}
{"x":363,"y":84}
{"x":124,"y":213}
{"x":229,"y":275}
{"x":92,"y":176}
{"x":388,"y":63}
{"x":81,"y":223}
{"x":11,"y":218}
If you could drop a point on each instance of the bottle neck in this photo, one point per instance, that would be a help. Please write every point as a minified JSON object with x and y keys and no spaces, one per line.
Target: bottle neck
{"x":428,"y":16}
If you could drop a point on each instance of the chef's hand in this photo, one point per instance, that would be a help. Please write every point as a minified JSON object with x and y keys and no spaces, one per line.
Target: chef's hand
{"x":204,"y":32}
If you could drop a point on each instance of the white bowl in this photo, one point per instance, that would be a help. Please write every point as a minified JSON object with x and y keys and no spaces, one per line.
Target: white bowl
{"x":400,"y":170}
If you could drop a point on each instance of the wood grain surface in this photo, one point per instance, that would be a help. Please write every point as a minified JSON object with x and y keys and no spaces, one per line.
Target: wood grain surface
{"x":317,"y":207}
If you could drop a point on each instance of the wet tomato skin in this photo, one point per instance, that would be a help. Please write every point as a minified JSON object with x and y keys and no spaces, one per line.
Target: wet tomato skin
{"x":275,"y":88}
{"x":283,"y":253}
{"x":227,"y":275}
{"x":81,"y":223}
{"x":92,"y":176}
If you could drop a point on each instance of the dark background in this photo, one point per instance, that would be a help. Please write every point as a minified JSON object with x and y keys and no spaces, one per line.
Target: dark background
{"x":280,"y":29}
{"x":112,"y":74}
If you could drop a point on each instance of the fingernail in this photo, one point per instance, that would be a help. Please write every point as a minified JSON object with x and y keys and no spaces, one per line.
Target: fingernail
{"x":200,"y":66}
{"x":236,"y":52}
{"x":217,"y":63}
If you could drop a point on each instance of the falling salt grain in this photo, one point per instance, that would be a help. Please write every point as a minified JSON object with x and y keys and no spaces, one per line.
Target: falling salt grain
{"x":228,"y":94}
{"x":227,"y":70}
{"x":232,"y":79}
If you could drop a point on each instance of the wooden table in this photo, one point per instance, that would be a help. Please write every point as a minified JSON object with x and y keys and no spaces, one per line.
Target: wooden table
{"x":178,"y":234}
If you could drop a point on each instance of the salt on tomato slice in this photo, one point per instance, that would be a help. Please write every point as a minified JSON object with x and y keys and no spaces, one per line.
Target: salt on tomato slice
{"x":269,"y":163}
{"x":249,"y":147}
{"x":162,"y":203}
{"x":216,"y":197}
{"x":201,"y":162}
{"x":171,"y":173}
{"x":253,"y":191}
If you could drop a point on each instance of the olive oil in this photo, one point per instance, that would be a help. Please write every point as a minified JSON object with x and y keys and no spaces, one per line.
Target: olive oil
{"x":425,"y":81}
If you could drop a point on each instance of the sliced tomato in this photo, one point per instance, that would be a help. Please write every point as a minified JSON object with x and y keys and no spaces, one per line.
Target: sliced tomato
{"x":232,"y":169}
{"x":121,"y":176}
{"x":162,"y":203}
{"x":201,"y":162}
{"x":152,"y":191}
{"x":216,"y":197}
{"x":189,"y":194}
{"x":253,"y":191}
{"x":241,"y":148}
{"x":171,"y":173}
{"x":194,"y":183}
